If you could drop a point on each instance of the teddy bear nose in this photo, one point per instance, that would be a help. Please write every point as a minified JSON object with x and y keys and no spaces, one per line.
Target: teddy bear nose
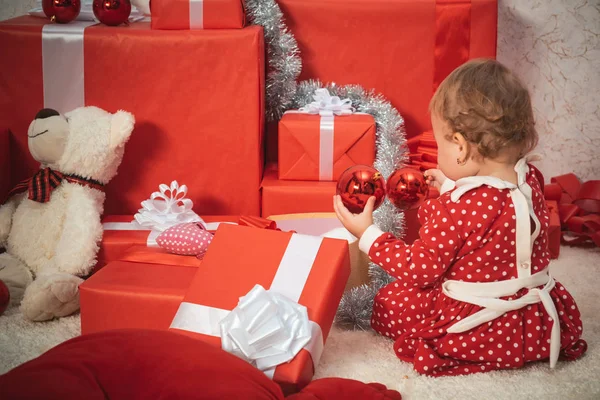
{"x":46,"y":113}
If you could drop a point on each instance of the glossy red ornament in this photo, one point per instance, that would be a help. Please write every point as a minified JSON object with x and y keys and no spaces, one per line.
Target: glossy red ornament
{"x":61,"y":11}
{"x":357,"y":184}
{"x":112,"y":12}
{"x":4,"y":297}
{"x":407,"y":188}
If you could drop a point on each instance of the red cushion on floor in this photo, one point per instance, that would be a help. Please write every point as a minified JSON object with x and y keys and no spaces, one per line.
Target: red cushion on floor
{"x":137,"y":364}
{"x":151,"y":364}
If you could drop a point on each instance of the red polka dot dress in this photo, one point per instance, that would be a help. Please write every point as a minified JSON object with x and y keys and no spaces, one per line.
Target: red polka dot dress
{"x":474,"y":293}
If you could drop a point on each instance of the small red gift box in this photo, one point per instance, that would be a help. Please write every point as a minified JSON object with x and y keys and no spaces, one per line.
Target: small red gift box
{"x":309,"y":270}
{"x":554,"y":233}
{"x":121,"y":233}
{"x":197,"y":14}
{"x":320,"y":148}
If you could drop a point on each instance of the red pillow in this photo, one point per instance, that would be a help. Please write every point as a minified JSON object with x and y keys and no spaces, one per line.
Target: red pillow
{"x":151,"y":364}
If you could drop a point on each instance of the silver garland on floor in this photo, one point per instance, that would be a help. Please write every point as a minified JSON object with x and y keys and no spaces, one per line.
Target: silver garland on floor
{"x":354,"y":311}
{"x":283,"y":58}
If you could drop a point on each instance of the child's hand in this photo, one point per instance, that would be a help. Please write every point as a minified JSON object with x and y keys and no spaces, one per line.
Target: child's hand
{"x":356,"y":224}
{"x":435,"y":178}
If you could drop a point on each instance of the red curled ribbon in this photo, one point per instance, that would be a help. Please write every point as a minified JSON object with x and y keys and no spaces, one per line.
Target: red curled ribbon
{"x":578,"y":207}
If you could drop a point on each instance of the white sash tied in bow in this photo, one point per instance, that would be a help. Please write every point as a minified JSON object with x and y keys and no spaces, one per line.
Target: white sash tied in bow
{"x":327,"y":107}
{"x":486,"y":294}
{"x":167,"y":208}
{"x":267,"y":328}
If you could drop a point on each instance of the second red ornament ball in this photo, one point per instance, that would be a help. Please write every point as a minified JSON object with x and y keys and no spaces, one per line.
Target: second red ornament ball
{"x":407,"y":188}
{"x":112,"y":12}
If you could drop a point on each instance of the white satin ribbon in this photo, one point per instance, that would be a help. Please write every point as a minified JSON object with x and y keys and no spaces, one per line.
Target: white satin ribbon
{"x":196,"y":14}
{"x":63,"y":65}
{"x":166,"y":208}
{"x":487,"y":295}
{"x":326,"y":129}
{"x":267,"y":328}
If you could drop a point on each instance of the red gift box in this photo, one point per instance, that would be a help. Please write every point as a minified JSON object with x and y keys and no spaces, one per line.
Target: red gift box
{"x":121,"y":233}
{"x":136,"y":294}
{"x":4,"y":163}
{"x":306,"y":269}
{"x":196,"y":96}
{"x":194,"y":14}
{"x":320,"y":148}
{"x":554,"y":233}
{"x":401,"y":49}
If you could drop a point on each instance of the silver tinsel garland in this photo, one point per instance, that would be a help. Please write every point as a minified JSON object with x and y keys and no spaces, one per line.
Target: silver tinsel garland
{"x":283,"y":92}
{"x":356,"y":305}
{"x":284,"y":63}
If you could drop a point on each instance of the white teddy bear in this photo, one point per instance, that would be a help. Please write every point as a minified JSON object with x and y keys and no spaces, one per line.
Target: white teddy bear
{"x":50,"y":225}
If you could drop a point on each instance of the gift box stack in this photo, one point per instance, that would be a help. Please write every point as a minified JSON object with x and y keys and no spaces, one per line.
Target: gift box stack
{"x":194,"y":77}
{"x":401,"y":49}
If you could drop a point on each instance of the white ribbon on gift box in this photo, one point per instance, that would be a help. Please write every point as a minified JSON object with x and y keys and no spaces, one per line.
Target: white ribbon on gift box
{"x":196,"y":14}
{"x":288,"y":283}
{"x":327,"y":107}
{"x":166,"y":208}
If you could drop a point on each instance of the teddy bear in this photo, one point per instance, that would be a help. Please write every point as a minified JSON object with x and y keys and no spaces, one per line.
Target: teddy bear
{"x":50,"y":224}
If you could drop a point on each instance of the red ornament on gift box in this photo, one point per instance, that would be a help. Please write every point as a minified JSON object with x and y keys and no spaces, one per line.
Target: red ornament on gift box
{"x":407,"y":188}
{"x":61,"y":11}
{"x":112,"y":12}
{"x":357,"y":184}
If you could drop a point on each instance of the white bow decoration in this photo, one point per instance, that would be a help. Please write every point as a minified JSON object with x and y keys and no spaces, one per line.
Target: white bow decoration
{"x":326,"y":104}
{"x":167,"y":208}
{"x":265,"y":329}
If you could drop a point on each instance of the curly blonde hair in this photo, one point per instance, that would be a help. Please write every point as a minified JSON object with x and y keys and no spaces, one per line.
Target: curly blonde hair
{"x":486,"y":103}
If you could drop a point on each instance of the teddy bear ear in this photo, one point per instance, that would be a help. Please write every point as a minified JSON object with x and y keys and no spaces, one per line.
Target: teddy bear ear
{"x":121,"y":127}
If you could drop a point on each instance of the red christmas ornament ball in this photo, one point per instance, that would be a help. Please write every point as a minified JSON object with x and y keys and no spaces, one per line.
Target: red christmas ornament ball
{"x":407,"y":188}
{"x":357,"y":184}
{"x":61,"y":11}
{"x":4,"y":297}
{"x":112,"y":12}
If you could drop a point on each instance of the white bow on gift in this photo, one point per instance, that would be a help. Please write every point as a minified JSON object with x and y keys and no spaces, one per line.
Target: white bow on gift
{"x":326,"y":104}
{"x":167,"y":208}
{"x":265,"y":329}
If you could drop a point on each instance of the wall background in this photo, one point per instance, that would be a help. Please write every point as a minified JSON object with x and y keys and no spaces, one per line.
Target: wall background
{"x":554,"y":46}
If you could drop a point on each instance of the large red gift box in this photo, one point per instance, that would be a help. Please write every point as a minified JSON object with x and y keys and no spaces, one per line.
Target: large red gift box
{"x":312,"y":150}
{"x":400,"y":48}
{"x":309,"y":270}
{"x":190,"y":14}
{"x":197,"y":97}
{"x":4,"y":163}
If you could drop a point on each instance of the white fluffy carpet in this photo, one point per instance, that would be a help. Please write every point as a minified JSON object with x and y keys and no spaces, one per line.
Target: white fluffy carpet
{"x":369,"y":358}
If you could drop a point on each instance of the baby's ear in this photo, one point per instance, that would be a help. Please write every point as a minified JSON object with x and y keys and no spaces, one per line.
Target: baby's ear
{"x":121,"y":127}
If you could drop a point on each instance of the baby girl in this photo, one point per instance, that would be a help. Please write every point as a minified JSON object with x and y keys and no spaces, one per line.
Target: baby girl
{"x":474,"y":293}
